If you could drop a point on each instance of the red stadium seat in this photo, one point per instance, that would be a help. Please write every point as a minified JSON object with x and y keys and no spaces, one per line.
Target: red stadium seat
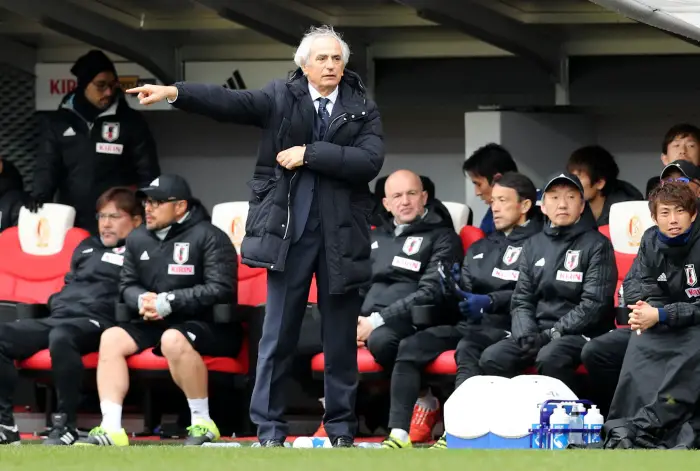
{"x":469,"y":235}
{"x":41,"y":361}
{"x":146,"y":360}
{"x":30,"y":278}
{"x":252,"y":285}
{"x":445,"y":365}
{"x":365,"y":364}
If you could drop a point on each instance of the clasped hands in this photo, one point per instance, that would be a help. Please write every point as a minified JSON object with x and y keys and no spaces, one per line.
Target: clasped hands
{"x":642,"y":316}
{"x":148,"y":309}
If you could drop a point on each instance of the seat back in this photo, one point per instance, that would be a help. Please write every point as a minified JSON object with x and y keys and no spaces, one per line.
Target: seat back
{"x":43,"y":232}
{"x":469,"y":235}
{"x":628,"y":222}
{"x":459,"y":213}
{"x":231,"y":218}
{"x":34,"y":274}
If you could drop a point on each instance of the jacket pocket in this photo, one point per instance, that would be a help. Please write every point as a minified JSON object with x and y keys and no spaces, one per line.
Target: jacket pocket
{"x":259,"y":205}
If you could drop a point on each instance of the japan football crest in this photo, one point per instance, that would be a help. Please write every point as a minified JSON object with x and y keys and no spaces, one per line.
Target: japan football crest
{"x":412,"y":245}
{"x":181,"y":252}
{"x":511,"y":255}
{"x":572,"y":259}
{"x":690,"y":275}
{"x":110,"y":131}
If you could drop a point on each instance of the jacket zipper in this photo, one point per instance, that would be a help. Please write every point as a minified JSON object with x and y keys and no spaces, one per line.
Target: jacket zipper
{"x":330,"y":126}
{"x":289,"y":205}
{"x":89,"y":124}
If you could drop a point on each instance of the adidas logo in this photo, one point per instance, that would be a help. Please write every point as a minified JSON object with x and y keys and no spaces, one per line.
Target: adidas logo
{"x":69,"y":132}
{"x":235,"y":81}
{"x":144,"y":256}
{"x":662,"y":277}
{"x":480,"y":255}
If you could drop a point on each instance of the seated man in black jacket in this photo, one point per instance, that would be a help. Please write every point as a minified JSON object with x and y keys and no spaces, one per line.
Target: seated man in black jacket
{"x":656,"y":400}
{"x":12,"y":194}
{"x":488,"y":276}
{"x":79,"y":313}
{"x":406,"y":250}
{"x":564,"y":291}
{"x":176,"y":269}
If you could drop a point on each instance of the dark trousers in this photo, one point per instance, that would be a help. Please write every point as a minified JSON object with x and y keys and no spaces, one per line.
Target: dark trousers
{"x":383,"y":343}
{"x":287,"y":298}
{"x":603,"y":357}
{"x":66,"y":339}
{"x":558,"y":359}
{"x":417,"y":351}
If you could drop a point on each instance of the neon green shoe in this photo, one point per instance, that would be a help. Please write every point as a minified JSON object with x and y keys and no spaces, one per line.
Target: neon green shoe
{"x":441,"y":444}
{"x":395,"y":443}
{"x":201,"y":432}
{"x":100,"y":437}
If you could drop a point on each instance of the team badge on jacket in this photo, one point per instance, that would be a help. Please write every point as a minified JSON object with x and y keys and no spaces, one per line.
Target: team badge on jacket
{"x":110,"y":131}
{"x":572,"y":259}
{"x":181,"y":252}
{"x":511,"y":255}
{"x":690,"y":275}
{"x":412,"y":245}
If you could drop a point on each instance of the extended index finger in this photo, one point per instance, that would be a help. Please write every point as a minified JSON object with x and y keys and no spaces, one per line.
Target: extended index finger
{"x":136,"y":90}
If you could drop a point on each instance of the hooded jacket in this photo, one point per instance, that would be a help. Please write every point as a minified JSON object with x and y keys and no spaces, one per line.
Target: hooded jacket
{"x":11,"y":195}
{"x":567,"y":281}
{"x":82,"y":159}
{"x":491,"y":267}
{"x":669,"y":275}
{"x":196,"y":263}
{"x":404,"y":266}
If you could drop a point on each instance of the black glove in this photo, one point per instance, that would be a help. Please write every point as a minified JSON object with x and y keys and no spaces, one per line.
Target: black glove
{"x":531,"y":344}
{"x":32,"y":203}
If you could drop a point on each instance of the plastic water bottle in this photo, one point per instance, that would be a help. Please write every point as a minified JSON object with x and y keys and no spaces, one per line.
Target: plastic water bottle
{"x":256,"y":445}
{"x":536,"y":433}
{"x":223,"y":444}
{"x":559,"y":420}
{"x":576,"y":422}
{"x":303,"y":442}
{"x":369,"y":445}
{"x":593,"y":422}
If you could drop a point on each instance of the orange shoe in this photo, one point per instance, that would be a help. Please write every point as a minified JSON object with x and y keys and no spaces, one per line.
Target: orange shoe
{"x":422,"y":424}
{"x":321,"y":432}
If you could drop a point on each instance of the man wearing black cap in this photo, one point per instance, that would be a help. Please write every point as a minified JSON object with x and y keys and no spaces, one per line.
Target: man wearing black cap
{"x":176,"y":269}
{"x":564,"y":294}
{"x":684,"y":171}
{"x":94,"y":141}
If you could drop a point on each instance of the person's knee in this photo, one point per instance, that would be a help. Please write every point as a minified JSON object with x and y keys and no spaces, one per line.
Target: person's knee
{"x":589,"y":354}
{"x":174,"y":345}
{"x":383,"y":347}
{"x":61,"y":340}
{"x":116,"y":342}
{"x":408,"y":349}
{"x":490,"y":361}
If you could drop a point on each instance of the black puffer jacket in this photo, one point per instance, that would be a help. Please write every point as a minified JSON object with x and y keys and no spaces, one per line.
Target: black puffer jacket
{"x":670,"y":277}
{"x":350,"y":156}
{"x":404,"y":267}
{"x":196,"y":262}
{"x":492,"y":267}
{"x":92,"y":286}
{"x":621,"y":192}
{"x":11,"y":195}
{"x":567,"y":281}
{"x":82,"y":159}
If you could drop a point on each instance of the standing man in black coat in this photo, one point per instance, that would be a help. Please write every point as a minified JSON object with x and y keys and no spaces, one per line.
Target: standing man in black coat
{"x":94,"y":141}
{"x":309,"y":209}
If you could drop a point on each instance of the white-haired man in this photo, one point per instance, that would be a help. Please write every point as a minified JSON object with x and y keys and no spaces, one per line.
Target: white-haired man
{"x":321,"y":145}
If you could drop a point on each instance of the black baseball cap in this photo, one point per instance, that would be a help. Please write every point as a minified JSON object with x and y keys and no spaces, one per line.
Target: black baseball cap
{"x":167,"y":188}
{"x":688,"y":170}
{"x":564,"y":178}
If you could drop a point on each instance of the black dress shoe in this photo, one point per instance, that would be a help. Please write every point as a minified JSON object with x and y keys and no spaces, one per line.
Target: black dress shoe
{"x":273,"y":443}
{"x":343,"y":442}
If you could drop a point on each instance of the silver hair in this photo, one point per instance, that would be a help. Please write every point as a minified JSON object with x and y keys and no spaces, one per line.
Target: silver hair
{"x":301,"y":57}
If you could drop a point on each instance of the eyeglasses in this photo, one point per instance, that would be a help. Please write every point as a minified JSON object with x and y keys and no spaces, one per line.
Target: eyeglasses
{"x":679,"y":179}
{"x":156,"y":203}
{"x":103,"y":86}
{"x":109,"y":217}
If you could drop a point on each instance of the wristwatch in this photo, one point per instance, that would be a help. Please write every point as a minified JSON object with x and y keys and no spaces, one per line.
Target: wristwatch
{"x":170,"y":297}
{"x":554,"y":333}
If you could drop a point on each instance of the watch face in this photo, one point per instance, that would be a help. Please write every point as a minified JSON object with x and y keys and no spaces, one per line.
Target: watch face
{"x":171,"y":297}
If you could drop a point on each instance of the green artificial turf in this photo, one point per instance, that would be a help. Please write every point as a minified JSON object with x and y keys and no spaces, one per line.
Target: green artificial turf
{"x":171,"y":458}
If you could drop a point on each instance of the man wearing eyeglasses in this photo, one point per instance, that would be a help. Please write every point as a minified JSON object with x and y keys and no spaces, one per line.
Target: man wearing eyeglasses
{"x":177,"y":268}
{"x":79,"y":313}
{"x":94,"y":141}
